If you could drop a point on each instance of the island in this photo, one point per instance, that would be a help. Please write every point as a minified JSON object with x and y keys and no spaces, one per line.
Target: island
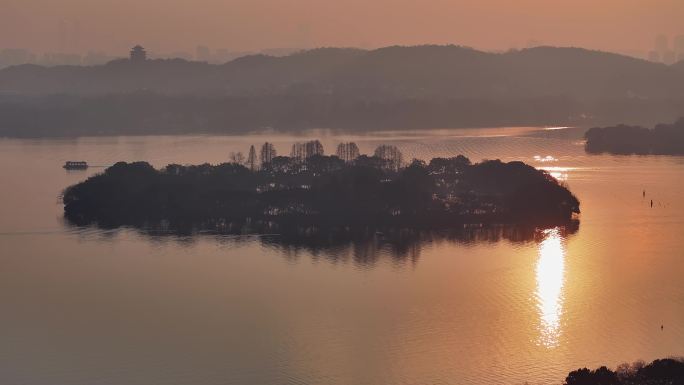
{"x":666,"y":371}
{"x":664,"y":139}
{"x":313,"y":191}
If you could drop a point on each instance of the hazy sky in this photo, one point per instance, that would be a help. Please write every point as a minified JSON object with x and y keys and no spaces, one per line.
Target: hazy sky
{"x":173,"y":25}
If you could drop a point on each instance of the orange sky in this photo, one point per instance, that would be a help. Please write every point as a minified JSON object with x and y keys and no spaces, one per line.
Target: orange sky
{"x":171,"y":25}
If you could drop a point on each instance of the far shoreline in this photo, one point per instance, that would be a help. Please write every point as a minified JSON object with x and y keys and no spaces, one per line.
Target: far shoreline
{"x":270,"y":134}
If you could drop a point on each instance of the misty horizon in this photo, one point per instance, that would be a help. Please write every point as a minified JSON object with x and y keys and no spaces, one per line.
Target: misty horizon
{"x":77,"y":26}
{"x":202,"y":53}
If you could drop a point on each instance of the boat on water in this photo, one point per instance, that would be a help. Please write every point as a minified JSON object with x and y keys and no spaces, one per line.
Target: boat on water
{"x":75,"y":165}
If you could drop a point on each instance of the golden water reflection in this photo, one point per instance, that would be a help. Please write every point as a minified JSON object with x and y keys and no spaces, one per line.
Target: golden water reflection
{"x":550,"y":276}
{"x":560,"y":173}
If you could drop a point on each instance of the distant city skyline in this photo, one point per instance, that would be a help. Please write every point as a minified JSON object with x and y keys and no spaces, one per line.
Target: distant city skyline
{"x":665,"y":49}
{"x":17,"y":56}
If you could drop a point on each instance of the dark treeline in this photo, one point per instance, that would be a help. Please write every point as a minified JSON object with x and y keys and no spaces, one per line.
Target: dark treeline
{"x":667,"y":371}
{"x":392,"y":87}
{"x":311,"y":190}
{"x":144,"y":113}
{"x":664,"y":139}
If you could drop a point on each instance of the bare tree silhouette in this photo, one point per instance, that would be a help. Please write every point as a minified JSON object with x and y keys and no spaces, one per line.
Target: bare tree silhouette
{"x":252,"y":159}
{"x":391,"y":155}
{"x":268,"y":152}
{"x":236,"y":157}
{"x":303,"y":151}
{"x":347,"y":151}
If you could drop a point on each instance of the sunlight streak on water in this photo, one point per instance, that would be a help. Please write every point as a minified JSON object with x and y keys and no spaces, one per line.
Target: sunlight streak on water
{"x":545,"y":159}
{"x":550,"y":275}
{"x":560,"y":173}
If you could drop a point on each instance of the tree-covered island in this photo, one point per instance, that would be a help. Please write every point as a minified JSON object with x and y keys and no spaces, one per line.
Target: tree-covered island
{"x":663,"y":139}
{"x":269,"y":193}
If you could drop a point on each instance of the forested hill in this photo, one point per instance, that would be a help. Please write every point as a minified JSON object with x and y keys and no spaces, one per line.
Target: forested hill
{"x":391,"y":72}
{"x":347,"y":89}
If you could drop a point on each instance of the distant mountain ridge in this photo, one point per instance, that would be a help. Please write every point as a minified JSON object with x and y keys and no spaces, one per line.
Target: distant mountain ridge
{"x":342,"y":88}
{"x":390,"y":72}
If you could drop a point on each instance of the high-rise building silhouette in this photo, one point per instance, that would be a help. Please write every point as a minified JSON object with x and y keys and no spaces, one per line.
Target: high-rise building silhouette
{"x":679,"y":47}
{"x":665,"y":53}
{"x":62,"y":36}
{"x":202,"y":53}
{"x":661,"y":45}
{"x":669,"y":57}
{"x":68,"y":36}
{"x":75,"y":40}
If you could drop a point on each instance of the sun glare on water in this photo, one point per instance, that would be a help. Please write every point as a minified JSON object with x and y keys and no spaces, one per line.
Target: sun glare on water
{"x":560,"y":173}
{"x":550,"y":276}
{"x":545,"y":159}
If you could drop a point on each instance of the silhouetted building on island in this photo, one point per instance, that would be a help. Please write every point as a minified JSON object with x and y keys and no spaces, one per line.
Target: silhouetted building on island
{"x":138,"y":54}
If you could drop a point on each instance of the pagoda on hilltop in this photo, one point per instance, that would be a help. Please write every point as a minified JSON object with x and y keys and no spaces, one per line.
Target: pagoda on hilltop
{"x":138,"y":54}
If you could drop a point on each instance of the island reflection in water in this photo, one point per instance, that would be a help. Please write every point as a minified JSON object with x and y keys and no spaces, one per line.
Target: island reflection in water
{"x":363,"y":247}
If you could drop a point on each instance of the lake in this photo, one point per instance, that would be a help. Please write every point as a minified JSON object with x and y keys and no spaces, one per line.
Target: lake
{"x":93,"y":306}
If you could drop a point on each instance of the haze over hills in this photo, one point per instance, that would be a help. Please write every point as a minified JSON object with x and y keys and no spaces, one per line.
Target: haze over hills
{"x":398,"y":87}
{"x":450,"y":71}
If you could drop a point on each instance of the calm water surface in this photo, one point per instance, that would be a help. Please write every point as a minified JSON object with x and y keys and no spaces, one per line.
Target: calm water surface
{"x":89,"y":306}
